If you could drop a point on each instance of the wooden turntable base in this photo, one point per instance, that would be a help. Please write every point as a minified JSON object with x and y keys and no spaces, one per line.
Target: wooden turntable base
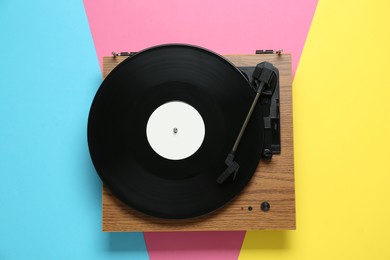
{"x":273,"y":181}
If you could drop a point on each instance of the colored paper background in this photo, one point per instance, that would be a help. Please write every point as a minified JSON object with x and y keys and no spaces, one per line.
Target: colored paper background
{"x":50,"y":196}
{"x":225,"y":27}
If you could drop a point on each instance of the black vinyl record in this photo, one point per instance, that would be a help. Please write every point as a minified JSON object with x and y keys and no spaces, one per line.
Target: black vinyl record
{"x":120,"y":150}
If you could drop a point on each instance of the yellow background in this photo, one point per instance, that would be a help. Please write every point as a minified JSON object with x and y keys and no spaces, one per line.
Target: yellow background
{"x":341,"y":95}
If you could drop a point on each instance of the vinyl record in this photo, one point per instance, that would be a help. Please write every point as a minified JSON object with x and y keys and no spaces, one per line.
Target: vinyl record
{"x":131,"y":111}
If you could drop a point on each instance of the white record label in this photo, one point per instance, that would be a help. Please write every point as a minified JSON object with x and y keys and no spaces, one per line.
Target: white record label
{"x":175,"y":130}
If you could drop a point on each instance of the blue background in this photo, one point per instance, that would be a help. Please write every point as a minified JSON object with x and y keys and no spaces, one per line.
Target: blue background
{"x":50,"y":196}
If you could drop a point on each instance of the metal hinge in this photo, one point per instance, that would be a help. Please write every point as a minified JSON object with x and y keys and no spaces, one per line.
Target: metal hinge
{"x":130,"y":54}
{"x":269,"y":51}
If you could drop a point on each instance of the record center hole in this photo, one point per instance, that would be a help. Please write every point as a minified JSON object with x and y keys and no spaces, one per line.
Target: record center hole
{"x":250,"y":208}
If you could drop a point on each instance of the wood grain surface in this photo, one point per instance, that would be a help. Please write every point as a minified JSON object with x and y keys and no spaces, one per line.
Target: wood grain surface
{"x":272,"y":182}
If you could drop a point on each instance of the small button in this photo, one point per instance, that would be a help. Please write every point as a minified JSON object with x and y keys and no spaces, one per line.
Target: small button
{"x":265,"y":206}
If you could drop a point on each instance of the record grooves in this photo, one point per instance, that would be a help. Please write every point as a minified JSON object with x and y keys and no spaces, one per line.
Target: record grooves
{"x":120,"y":149}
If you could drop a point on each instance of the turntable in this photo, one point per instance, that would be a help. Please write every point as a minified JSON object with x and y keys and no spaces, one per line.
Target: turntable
{"x":185,"y":139}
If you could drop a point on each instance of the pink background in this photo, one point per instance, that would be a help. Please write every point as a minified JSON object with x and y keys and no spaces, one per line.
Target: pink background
{"x":226,"y":27}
